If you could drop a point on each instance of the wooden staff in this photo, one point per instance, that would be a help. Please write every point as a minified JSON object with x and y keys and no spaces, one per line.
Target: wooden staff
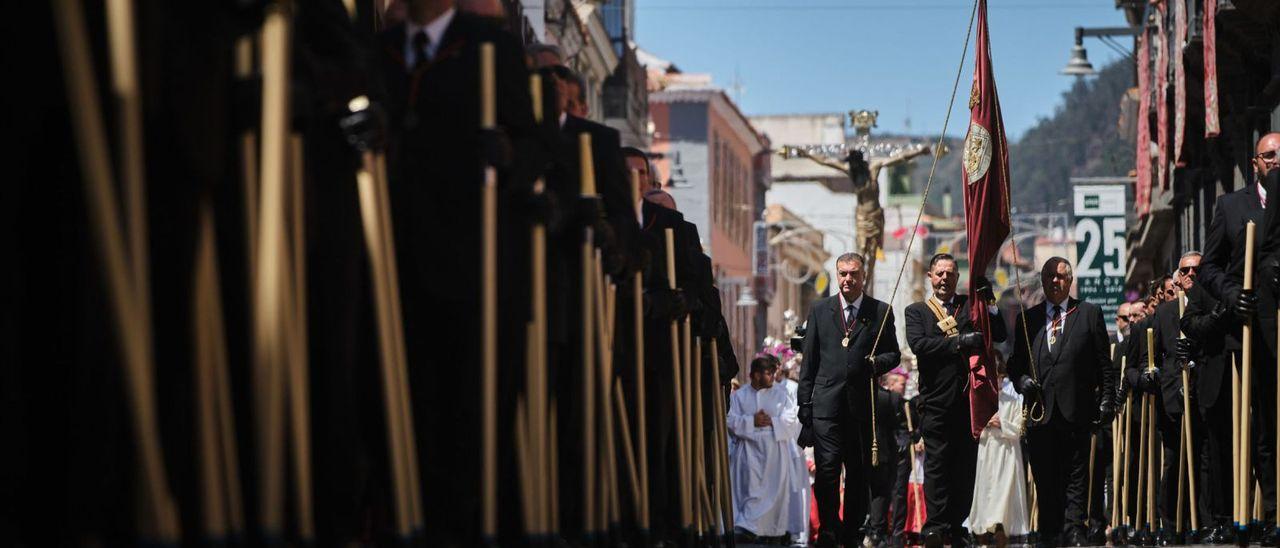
{"x":537,"y":374}
{"x":722,"y":447}
{"x":126,"y":297}
{"x":699,"y":455}
{"x":270,"y":298}
{"x":524,"y":458}
{"x":1140,"y":508}
{"x":296,"y":327}
{"x":1128,"y":446}
{"x":637,"y":288}
{"x":681,"y":456}
{"x":553,"y":476}
{"x":397,"y":452}
{"x":590,"y":504}
{"x":397,"y":333}
{"x":248,"y":166}
{"x":1236,"y":502}
{"x":686,"y":362}
{"x":1151,"y":437}
{"x":1117,"y":434}
{"x":1186,"y":425}
{"x":1182,"y":478}
{"x":489,"y":308}
{"x":1093,"y":452}
{"x":629,"y":455}
{"x":212,"y":484}
{"x":1246,"y":379}
{"x":226,"y":435}
{"x":604,"y":339}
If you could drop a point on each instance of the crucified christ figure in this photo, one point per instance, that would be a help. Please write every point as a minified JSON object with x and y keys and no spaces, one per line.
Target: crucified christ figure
{"x":869,"y":215}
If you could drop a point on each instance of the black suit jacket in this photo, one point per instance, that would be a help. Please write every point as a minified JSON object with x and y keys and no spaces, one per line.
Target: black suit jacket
{"x":1077,"y":371}
{"x":1164,"y":324}
{"x":1119,"y":361}
{"x":944,"y":368}
{"x":833,"y":376}
{"x":1222,"y":267}
{"x":434,"y":161}
{"x":1268,"y":262}
{"x":1212,"y":360}
{"x":613,"y":182}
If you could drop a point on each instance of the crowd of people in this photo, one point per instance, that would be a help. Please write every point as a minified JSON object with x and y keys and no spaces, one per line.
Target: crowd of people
{"x":1068,"y":455}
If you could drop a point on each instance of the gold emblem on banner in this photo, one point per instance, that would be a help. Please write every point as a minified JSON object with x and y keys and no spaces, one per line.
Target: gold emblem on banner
{"x":977,"y":152}
{"x":974,"y":95}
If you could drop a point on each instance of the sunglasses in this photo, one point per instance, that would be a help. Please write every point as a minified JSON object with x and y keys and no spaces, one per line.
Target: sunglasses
{"x":1268,"y":155}
{"x":1187,"y":270}
{"x":1124,"y":317}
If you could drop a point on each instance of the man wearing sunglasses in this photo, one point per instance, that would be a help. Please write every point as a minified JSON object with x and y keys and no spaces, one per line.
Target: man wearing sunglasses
{"x":1222,"y":276}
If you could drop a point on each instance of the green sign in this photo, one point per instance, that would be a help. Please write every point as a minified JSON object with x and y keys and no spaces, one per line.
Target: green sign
{"x":1100,"y":246}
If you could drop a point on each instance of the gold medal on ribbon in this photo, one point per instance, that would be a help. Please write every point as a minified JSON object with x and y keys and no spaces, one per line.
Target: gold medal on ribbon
{"x":845,"y":342}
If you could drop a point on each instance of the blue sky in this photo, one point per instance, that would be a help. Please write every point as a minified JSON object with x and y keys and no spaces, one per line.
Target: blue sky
{"x":895,"y":56}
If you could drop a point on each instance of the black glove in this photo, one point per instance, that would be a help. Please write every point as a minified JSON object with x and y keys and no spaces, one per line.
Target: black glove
{"x":982,"y":288}
{"x":665,"y":304}
{"x":495,"y":148}
{"x":806,"y":436}
{"x":587,"y":212}
{"x":1106,"y":414}
{"x":1149,"y":382}
{"x":1030,"y":388}
{"x":541,"y":207}
{"x":1246,"y":305}
{"x":1219,"y":313}
{"x":805,"y":414}
{"x":1186,"y":350}
{"x":366,"y":129}
{"x":1274,"y":277}
{"x":971,"y":341}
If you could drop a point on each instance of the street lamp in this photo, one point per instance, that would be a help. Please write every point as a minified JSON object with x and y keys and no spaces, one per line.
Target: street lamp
{"x":1078,"y":65}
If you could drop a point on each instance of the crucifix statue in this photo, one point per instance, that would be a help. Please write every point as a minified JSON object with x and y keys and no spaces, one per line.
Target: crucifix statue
{"x":864,"y":173}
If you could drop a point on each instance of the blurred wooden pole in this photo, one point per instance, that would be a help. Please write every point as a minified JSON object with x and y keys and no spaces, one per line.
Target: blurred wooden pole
{"x":589,"y":503}
{"x":209,"y":461}
{"x":128,"y":304}
{"x":681,"y":457}
{"x":642,"y":425}
{"x":489,"y":309}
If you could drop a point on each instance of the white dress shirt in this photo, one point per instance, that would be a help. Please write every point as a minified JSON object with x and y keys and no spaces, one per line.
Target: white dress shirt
{"x":849,"y":315}
{"x":1048,"y":310}
{"x":435,"y":33}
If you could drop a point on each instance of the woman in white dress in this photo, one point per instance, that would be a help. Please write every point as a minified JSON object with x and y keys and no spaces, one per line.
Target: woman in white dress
{"x":999,"y":493}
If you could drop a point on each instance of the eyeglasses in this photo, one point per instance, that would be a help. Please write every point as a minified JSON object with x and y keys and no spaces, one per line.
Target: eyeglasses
{"x":1267,"y":155}
{"x":1187,"y":270}
{"x":1124,"y":317}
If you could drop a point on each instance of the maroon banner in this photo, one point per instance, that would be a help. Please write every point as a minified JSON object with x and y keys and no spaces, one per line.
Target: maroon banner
{"x":1142,"y":152}
{"x":986,"y":204}
{"x":1179,"y":79}
{"x":1210,"y":40}
{"x":1162,"y":93}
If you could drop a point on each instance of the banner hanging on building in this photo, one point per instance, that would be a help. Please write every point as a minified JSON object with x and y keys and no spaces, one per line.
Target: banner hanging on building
{"x":1179,"y":79}
{"x":1209,"y":37}
{"x":1162,"y":92}
{"x":1100,"y":246}
{"x":1142,"y":152}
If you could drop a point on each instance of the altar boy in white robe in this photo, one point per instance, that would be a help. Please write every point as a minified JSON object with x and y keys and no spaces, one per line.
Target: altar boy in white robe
{"x":762,"y":420}
{"x":999,"y":496}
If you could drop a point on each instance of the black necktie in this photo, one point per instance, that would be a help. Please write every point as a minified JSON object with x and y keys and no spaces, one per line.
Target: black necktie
{"x":420,"y":43}
{"x":848,"y":315}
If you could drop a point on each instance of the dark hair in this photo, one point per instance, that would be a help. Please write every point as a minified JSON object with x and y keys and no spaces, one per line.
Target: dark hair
{"x":1157,"y":285}
{"x":940,"y":257}
{"x":1051,"y":266}
{"x":763,"y":364}
{"x":851,"y":257}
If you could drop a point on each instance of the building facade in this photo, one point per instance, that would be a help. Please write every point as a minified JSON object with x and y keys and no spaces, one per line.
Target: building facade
{"x":716,"y":165}
{"x":1208,"y":74}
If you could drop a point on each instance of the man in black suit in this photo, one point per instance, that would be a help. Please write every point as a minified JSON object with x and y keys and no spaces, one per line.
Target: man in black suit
{"x":1166,"y":384}
{"x":430,"y":68}
{"x":943,"y":337}
{"x":1061,"y":368}
{"x":1222,"y":274}
{"x":848,"y":343}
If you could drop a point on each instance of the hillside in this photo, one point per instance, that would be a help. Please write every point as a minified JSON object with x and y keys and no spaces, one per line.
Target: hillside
{"x":1080,"y":139}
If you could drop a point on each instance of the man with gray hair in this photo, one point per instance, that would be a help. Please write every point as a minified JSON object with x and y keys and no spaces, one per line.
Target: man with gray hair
{"x":849,"y":343}
{"x":1063,"y":369}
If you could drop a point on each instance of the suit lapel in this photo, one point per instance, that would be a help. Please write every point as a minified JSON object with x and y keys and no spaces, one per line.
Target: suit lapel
{"x":1037,"y":318}
{"x":865,"y":313}
{"x":837,"y":314}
